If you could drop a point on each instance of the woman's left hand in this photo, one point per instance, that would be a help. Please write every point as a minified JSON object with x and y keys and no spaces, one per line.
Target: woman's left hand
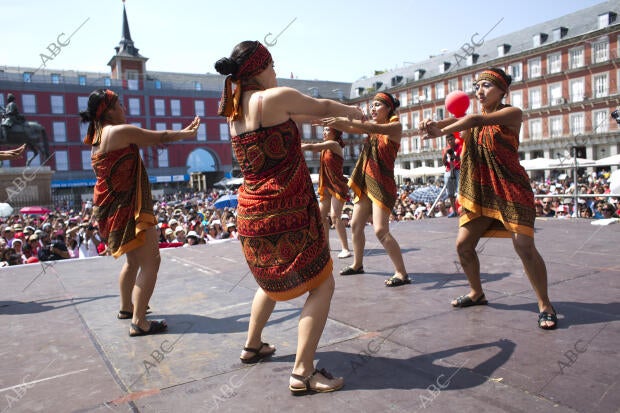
{"x":335,"y":122}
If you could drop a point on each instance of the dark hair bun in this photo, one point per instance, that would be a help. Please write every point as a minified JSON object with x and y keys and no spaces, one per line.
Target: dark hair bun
{"x":396,"y":102}
{"x":226,"y":66}
{"x":85,"y":116}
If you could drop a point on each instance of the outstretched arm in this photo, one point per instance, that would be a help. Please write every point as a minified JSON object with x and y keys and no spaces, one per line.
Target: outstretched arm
{"x":393,"y":129}
{"x":122,"y":135}
{"x":12,"y":153}
{"x":509,"y":116}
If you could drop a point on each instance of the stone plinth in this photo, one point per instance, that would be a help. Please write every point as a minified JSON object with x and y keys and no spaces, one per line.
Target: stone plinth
{"x":25,"y":186}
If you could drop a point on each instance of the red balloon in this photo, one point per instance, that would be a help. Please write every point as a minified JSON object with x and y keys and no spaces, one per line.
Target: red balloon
{"x":457,"y":103}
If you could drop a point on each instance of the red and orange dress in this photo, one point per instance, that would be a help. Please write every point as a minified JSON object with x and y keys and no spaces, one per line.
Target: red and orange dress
{"x":373,"y":174}
{"x":278,"y":217}
{"x":331,"y":179}
{"x":494,"y":184}
{"x":122,"y":203}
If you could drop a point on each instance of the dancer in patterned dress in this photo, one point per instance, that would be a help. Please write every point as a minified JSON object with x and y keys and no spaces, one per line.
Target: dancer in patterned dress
{"x":123,"y":205}
{"x":373,"y":183}
{"x":278,"y":218}
{"x":494,"y":189}
{"x":333,"y":189}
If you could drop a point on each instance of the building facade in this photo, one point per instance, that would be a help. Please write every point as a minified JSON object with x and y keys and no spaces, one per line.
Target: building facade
{"x":566,"y":79}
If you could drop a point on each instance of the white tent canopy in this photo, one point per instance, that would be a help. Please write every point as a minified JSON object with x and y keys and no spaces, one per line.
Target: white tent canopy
{"x":420,"y":171}
{"x":613,"y":160}
{"x":545,"y":163}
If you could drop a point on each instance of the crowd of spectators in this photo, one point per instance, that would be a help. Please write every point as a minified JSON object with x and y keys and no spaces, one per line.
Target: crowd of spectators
{"x":186,"y":219}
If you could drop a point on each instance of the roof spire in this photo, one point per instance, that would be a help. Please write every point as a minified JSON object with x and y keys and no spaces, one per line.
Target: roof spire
{"x":126,"y":46}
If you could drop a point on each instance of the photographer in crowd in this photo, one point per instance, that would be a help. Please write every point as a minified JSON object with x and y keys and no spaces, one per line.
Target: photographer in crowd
{"x":451,"y":158}
{"x":53,"y":249}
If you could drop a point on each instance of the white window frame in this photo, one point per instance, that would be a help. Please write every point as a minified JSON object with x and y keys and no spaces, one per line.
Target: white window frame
{"x":59,"y":130}
{"x":600,"y":51}
{"x":554,"y":63}
{"x":516,"y":71}
{"x":600,"y":85}
{"x":556,"y":126}
{"x":516,"y":99}
{"x":535,"y":129}
{"x":576,"y":122}
{"x":576,"y":95}
{"x":534,"y":98}
{"x":29,"y":103}
{"x":82,"y":103}
{"x":159,"y":106}
{"x":555,"y":94}
{"x":202,"y":132}
{"x":600,"y":121}
{"x":199,"y":107}
{"x":61,"y":159}
{"x":134,"y":106}
{"x":162,"y":158}
{"x":224,"y":132}
{"x":175,"y":107}
{"x":86,"y":161}
{"x":534,"y":68}
{"x":576,"y":57}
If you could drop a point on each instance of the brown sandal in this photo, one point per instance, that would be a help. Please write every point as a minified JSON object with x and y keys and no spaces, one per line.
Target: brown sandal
{"x":258,"y":356}
{"x":308,"y":389}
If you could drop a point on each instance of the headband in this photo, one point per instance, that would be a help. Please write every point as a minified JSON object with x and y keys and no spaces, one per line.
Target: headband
{"x":255,"y":63}
{"x":105,"y":104}
{"x":93,"y":135}
{"x":495,"y":78}
{"x":387,"y":99}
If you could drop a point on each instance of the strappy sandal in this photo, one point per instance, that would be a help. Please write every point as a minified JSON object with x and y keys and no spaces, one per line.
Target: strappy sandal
{"x":545,"y":316}
{"x":258,"y":356}
{"x":395,"y":281}
{"x":155,"y":327}
{"x":349,"y":270}
{"x":308,"y":389}
{"x":466,"y":301}
{"x":126,"y":315}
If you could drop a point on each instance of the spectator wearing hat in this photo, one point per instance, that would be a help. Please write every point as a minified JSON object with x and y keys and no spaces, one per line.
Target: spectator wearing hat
{"x":8,"y":234}
{"x":346,"y":220}
{"x":608,"y":211}
{"x":17,"y":246}
{"x":231,"y":228}
{"x":179,"y":234}
{"x":53,"y":249}
{"x":31,"y":247}
{"x":169,"y":235}
{"x":192,"y":239}
{"x":561,"y":212}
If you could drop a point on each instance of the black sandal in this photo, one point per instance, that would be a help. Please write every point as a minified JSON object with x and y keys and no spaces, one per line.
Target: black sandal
{"x":126,"y":315}
{"x":395,"y":281}
{"x":349,"y":270}
{"x":544,"y":316}
{"x":258,"y":356}
{"x":154,"y":328}
{"x":466,"y":301}
{"x":307,"y":389}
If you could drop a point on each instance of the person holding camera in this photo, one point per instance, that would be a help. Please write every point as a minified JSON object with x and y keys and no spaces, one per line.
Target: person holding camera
{"x":88,"y":241}
{"x":451,"y":158}
{"x":53,"y":249}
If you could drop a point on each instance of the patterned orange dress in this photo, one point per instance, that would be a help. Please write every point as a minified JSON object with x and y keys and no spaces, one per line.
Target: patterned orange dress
{"x":331,"y":179}
{"x":122,"y":203}
{"x":373,"y":174}
{"x":494,"y":184}
{"x":278,"y":217}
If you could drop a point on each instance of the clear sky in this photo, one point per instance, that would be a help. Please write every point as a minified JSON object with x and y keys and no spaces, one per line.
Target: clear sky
{"x":339,"y":40}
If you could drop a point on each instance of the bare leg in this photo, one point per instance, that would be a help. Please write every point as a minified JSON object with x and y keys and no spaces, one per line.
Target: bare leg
{"x":324,"y":206}
{"x":126,"y":281}
{"x":311,"y":324}
{"x":337,"y":220}
{"x":361,"y":211}
{"x":262,"y":307}
{"x":147,"y":258}
{"x":536,"y":271}
{"x":381,"y":223}
{"x":466,"y":242}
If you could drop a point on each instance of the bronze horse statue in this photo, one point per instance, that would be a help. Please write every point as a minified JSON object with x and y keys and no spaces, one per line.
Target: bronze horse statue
{"x":30,"y":133}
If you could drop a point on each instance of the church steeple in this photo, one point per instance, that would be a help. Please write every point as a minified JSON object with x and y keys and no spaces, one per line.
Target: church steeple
{"x":127,"y":64}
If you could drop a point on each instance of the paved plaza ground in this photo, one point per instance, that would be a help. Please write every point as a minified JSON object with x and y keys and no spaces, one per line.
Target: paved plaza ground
{"x":402,"y":350}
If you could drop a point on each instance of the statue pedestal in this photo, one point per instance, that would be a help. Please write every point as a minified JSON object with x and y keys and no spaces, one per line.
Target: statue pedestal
{"x":25,"y":186}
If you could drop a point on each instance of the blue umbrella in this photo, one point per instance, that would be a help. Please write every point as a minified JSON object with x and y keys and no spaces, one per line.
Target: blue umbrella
{"x":427,"y":194}
{"x":226,"y":201}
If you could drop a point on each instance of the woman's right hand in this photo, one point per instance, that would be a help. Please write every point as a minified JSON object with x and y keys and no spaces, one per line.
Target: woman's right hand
{"x":193,"y":127}
{"x":355,"y":112}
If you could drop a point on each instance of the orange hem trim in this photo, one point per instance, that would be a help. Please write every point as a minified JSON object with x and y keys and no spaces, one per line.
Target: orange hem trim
{"x":476,"y":211}
{"x":303,"y":288}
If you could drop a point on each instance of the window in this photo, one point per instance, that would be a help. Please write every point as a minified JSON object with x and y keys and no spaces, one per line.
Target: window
{"x":606,"y":19}
{"x":29,"y":103}
{"x":175,"y":107}
{"x":306,"y":131}
{"x":533,"y":67}
{"x":468,"y":84}
{"x":516,"y":71}
{"x":132,"y":79}
{"x":577,"y":123}
{"x":415,"y":119}
{"x":559,"y":33}
{"x":86,"y":162}
{"x":538,"y":39}
{"x":600,"y":85}
{"x":403,"y":99}
{"x":160,"y":126}
{"x":202,"y":132}
{"x":82,"y":103}
{"x":58,"y":104}
{"x":427,"y":93}
{"x":576,"y":90}
{"x":404,"y":145}
{"x":27,"y":77}
{"x":555,"y":94}
{"x":157,"y":84}
{"x":575,"y":58}
{"x":134,"y":106}
{"x":555,"y":126}
{"x":162,"y":158}
{"x":199,"y":107}
{"x":535,"y":129}
{"x":177,"y":126}
{"x":535,"y":98}
{"x":160,"y":107}
{"x":427,"y":114}
{"x":55,"y":78}
{"x":554,"y":63}
{"x":516,"y":99}
{"x":440,"y":113}
{"x":107,"y":81}
{"x":440,"y":91}
{"x":62,"y":160}
{"x":1,"y":99}
{"x":83,"y":129}
{"x":601,"y":121}
{"x":197,"y":86}
{"x":137,"y":124}
{"x":600,"y":51}
{"x":82,"y":80}
{"x":404,"y":120}
{"x":60,"y":131}
{"x":453,"y":84}
{"x":224,"y":132}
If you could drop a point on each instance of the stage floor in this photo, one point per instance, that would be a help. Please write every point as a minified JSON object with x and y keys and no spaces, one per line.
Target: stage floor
{"x":400,"y":349}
